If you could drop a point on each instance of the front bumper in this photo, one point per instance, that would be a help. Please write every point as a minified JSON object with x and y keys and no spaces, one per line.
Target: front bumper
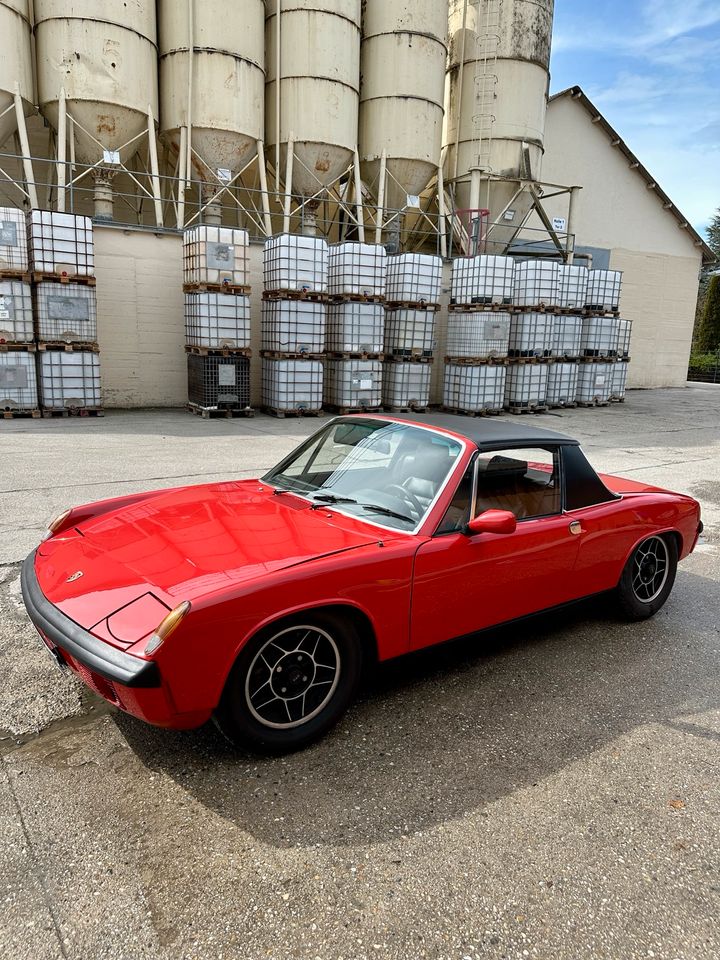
{"x":85,"y":649}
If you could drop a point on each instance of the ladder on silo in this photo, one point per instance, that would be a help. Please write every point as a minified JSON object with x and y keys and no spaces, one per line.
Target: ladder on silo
{"x":487,"y":43}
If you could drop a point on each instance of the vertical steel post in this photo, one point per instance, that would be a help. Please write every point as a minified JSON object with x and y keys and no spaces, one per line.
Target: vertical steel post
{"x":381,"y":198}
{"x":154,"y":168}
{"x":441,"y":212}
{"x":61,"y":150}
{"x":288,"y":182}
{"x":182,"y":161}
{"x":358,"y":200}
{"x":264,"y":199}
{"x":25,"y":147}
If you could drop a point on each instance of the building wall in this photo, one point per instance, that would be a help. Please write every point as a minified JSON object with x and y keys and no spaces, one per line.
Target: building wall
{"x":141,"y":327}
{"x":617,"y":211}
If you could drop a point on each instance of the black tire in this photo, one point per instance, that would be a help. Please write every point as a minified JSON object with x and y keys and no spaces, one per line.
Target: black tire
{"x":290,"y":720}
{"x":645,"y":583}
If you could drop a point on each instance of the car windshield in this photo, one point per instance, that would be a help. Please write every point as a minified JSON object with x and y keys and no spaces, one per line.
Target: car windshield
{"x":389,"y":473}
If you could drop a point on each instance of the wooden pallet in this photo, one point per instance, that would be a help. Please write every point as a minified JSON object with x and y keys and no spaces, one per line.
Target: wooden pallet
{"x":68,"y":347}
{"x":471,"y":413}
{"x":81,"y":280}
{"x":299,"y":412}
{"x":597,"y":359}
{"x":13,"y":414}
{"x":353,"y":355}
{"x":524,"y":360}
{"x":481,"y":306}
{"x":411,"y":305}
{"x":72,"y":412}
{"x":356,"y":298}
{"x":563,"y":406}
{"x":10,"y":346}
{"x":408,"y":358}
{"x":589,"y":311}
{"x":574,"y":359}
{"x":524,"y":408}
{"x":209,"y":413}
{"x":218,"y":351}
{"x":617,"y":399}
{"x":23,"y":275}
{"x":540,"y":308}
{"x":236,"y":289}
{"x":410,"y":408}
{"x":593,"y":403}
{"x":314,"y":296}
{"x":479,"y":361}
{"x":347,"y":411}
{"x":280,"y":355}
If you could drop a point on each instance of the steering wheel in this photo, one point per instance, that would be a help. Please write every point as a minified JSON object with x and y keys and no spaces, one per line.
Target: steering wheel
{"x":407,"y":497}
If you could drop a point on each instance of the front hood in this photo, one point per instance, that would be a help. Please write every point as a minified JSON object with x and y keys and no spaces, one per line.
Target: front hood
{"x":184,"y":544}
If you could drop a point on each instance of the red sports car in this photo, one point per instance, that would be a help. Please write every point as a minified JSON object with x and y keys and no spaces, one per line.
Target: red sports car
{"x":256,"y":602}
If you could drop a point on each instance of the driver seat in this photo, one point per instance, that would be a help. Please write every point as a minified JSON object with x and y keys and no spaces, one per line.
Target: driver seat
{"x":429,"y":471}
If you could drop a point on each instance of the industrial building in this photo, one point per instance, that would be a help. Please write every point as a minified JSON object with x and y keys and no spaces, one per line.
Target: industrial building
{"x":423,"y":127}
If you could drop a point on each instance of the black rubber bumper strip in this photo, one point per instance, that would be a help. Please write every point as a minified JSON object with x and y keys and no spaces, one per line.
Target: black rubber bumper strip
{"x":92,"y":652}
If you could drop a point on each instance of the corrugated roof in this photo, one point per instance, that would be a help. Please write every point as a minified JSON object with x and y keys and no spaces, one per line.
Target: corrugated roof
{"x":576,"y":93}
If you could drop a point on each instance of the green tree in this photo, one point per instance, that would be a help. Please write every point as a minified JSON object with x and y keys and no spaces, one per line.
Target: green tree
{"x":713,"y":233}
{"x":708,"y":331}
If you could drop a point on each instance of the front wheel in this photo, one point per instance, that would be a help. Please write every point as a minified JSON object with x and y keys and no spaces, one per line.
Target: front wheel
{"x":648,"y":577}
{"x":291,"y":683}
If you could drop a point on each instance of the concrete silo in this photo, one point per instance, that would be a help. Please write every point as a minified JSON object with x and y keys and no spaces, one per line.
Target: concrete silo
{"x":496,"y":99}
{"x":101,"y":57}
{"x":15,"y":64}
{"x":217,"y":92}
{"x":313,"y":47}
{"x":402,"y":65}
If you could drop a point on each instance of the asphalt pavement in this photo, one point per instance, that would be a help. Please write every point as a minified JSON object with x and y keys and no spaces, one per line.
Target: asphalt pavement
{"x":547,"y":791}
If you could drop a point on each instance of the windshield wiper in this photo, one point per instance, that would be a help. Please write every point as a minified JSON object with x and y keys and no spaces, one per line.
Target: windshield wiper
{"x":329,"y":498}
{"x":387,"y":512}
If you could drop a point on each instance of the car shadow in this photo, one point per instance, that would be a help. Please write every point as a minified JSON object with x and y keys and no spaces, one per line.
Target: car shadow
{"x":445,"y":732}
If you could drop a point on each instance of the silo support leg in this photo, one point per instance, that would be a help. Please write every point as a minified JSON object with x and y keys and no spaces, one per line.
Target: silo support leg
{"x":381,"y":198}
{"x":288,"y":183}
{"x":264,"y":198}
{"x":358,"y":200}
{"x":25,"y":147}
{"x":154,"y":168}
{"x":182,"y":161}
{"x":61,"y":150}
{"x":441,"y":212}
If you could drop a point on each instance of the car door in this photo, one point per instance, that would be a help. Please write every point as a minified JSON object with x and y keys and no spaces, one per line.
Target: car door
{"x":463,"y":583}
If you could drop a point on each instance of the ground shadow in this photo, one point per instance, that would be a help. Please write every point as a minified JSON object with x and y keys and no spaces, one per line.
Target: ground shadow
{"x":449,"y":731}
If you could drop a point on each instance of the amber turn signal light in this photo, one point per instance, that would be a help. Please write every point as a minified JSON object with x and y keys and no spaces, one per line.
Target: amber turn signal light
{"x":167,"y":626}
{"x":55,"y":525}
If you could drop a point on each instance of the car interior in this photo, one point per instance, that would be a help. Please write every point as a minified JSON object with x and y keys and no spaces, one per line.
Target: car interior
{"x":524,"y":488}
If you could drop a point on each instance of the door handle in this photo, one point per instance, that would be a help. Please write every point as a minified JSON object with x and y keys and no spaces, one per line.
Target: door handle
{"x":576,"y":527}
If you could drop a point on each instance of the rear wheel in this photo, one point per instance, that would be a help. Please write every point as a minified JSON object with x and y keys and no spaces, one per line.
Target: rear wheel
{"x":648,"y":577}
{"x":291,"y":683}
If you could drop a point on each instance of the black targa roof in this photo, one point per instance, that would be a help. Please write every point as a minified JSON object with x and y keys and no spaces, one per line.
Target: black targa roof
{"x":490,"y":434}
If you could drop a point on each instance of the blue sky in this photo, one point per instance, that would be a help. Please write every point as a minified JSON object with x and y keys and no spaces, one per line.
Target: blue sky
{"x":653,"y":68}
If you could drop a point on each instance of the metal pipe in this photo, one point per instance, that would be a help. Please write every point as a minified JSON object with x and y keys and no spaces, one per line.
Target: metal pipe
{"x":25,"y":147}
{"x":278,"y":38}
{"x":460,"y":90}
{"x":381,"y":197}
{"x":358,"y":200}
{"x":264,"y":198}
{"x":154,"y":168}
{"x":61,"y":149}
{"x":191,"y":57}
{"x":288,"y":183}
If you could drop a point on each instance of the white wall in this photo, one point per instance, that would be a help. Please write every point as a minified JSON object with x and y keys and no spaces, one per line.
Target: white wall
{"x":617,"y":211}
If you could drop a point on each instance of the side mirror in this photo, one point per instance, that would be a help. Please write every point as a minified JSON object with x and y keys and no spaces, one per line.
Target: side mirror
{"x":492,"y":521}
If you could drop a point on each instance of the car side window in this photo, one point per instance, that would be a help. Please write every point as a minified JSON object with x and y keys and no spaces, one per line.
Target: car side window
{"x":525,"y":481}
{"x":458,"y":512}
